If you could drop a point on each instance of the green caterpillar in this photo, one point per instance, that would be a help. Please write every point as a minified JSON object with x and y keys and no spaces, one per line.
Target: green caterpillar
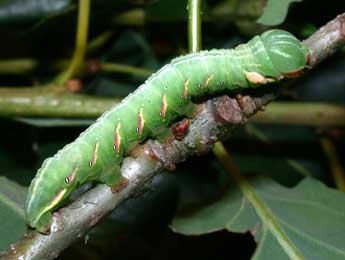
{"x":168,"y":95}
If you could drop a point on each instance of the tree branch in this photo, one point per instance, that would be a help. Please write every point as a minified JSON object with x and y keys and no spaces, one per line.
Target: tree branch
{"x":216,"y":119}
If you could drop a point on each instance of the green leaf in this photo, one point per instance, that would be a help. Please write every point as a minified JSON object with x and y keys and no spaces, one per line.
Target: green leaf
{"x":275,"y":12}
{"x":12,"y":198}
{"x":307,"y":221}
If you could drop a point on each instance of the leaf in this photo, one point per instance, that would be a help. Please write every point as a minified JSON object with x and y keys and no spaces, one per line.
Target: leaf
{"x":307,"y":221}
{"x":275,"y":12}
{"x":12,"y":198}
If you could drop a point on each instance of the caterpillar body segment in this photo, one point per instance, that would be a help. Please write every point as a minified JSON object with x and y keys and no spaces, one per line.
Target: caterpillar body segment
{"x":165,"y":97}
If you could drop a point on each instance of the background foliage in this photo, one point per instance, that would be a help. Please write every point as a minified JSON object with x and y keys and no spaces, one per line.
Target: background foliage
{"x":287,"y":167}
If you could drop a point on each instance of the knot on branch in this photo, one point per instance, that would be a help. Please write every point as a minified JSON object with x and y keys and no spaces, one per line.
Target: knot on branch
{"x":238,"y":110}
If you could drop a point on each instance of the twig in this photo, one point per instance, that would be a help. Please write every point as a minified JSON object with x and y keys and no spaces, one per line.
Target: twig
{"x":25,"y":65}
{"x":39,"y":102}
{"x":81,"y":42}
{"x":311,"y":113}
{"x":194,"y":25}
{"x":126,"y":69}
{"x":18,"y":66}
{"x":214,"y":122}
{"x":335,"y":166}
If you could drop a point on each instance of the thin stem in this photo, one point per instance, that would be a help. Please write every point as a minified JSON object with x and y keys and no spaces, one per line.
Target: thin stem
{"x":337,"y":170}
{"x":194,"y":25}
{"x":311,"y":113}
{"x":18,"y":66}
{"x":26,"y":65}
{"x":261,"y":209}
{"x":99,"y":41}
{"x":81,"y":43}
{"x":40,"y":102}
{"x":298,"y":167}
{"x":256,"y":132}
{"x":126,"y":69}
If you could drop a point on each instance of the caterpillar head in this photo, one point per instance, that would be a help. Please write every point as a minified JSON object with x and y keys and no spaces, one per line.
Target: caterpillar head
{"x":288,"y":55}
{"x":46,"y":193}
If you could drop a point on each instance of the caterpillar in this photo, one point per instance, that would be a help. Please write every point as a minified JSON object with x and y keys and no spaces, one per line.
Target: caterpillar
{"x":166,"y":96}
